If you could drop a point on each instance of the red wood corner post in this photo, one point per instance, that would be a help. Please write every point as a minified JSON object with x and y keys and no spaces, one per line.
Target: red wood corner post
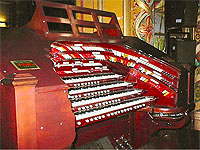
{"x":19,"y":111}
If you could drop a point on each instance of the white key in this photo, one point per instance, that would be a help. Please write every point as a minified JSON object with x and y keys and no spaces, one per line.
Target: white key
{"x":92,"y":78}
{"x":113,"y":108}
{"x":99,"y":99}
{"x":99,"y":88}
{"x":92,"y":64}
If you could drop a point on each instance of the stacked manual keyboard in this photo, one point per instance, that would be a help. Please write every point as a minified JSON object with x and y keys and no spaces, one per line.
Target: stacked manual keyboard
{"x":96,"y":93}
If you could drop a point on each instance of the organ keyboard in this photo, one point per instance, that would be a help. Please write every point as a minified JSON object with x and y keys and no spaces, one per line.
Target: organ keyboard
{"x":86,"y":86}
{"x":97,"y":96}
{"x":112,"y":110}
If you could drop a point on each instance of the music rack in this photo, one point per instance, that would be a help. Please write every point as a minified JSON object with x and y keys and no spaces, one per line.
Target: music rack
{"x":104,"y":31}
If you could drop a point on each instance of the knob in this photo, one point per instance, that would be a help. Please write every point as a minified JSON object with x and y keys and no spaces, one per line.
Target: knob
{"x":79,"y":123}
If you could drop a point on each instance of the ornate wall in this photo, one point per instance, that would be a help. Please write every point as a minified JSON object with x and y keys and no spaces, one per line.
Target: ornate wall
{"x":143,"y":27}
{"x":148,"y":21}
{"x":197,"y":63}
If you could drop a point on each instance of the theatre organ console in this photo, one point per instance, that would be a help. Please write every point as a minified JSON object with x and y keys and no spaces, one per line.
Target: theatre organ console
{"x":62,"y":89}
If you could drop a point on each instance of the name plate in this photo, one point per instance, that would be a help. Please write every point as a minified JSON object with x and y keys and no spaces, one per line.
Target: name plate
{"x":25,"y":65}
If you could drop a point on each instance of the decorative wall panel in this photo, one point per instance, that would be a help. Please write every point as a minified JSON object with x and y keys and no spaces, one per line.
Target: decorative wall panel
{"x":148,"y":22}
{"x":143,"y":27}
{"x":197,"y":63}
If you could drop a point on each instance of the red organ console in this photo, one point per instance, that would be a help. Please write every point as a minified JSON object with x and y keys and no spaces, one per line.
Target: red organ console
{"x":66,"y":89}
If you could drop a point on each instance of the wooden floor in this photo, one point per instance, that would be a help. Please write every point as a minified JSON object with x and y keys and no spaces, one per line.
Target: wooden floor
{"x":185,"y":138}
